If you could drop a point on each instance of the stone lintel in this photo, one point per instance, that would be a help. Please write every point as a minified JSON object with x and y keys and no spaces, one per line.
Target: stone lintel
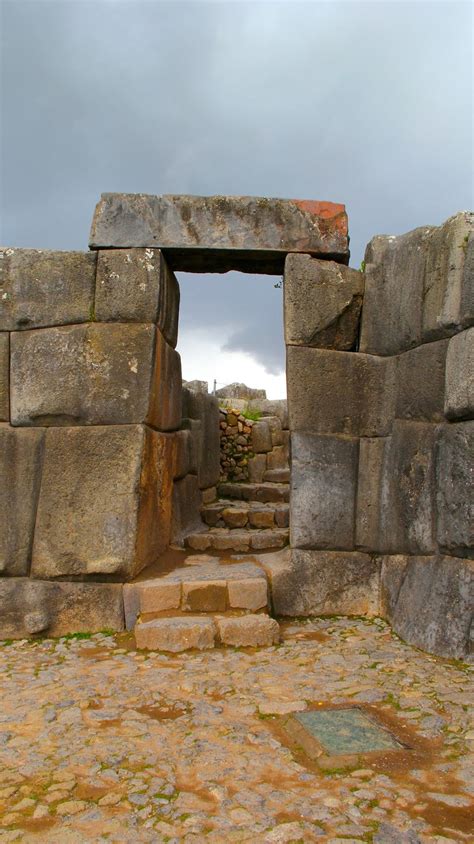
{"x":221,"y":233}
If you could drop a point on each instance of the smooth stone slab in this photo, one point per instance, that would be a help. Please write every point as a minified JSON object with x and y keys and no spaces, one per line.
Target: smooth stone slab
{"x":40,"y":288}
{"x":346,"y":731}
{"x":176,"y":634}
{"x":459,"y":401}
{"x":252,"y":631}
{"x":4,"y":376}
{"x":421,"y":382}
{"x":455,"y":489}
{"x":221,"y":233}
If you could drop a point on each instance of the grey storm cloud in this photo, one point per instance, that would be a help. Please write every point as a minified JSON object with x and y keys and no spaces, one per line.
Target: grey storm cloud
{"x":367,"y":103}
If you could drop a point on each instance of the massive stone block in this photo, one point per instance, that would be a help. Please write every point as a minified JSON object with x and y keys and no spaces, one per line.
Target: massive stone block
{"x":323,"y":488}
{"x":449,"y":278}
{"x":322,"y":582}
{"x":136,"y":285}
{"x":419,"y":286}
{"x":393,"y":299}
{"x":165,"y":401}
{"x":408,"y":492}
{"x":459,"y":401}
{"x":220,"y":233}
{"x":271,"y":407}
{"x":429,"y":601}
{"x":92,"y":374}
{"x":4,"y":376}
{"x":322,"y":303}
{"x":32,"y":607}
{"x":421,"y":382}
{"x":42,"y":288}
{"x":455,"y":489}
{"x":372,"y":458}
{"x":105,"y":501}
{"x":332,"y":392}
{"x":20,"y":478}
{"x":204,"y":408}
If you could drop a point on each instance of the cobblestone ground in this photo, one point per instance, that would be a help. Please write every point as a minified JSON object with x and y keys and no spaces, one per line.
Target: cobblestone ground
{"x":101,"y":743}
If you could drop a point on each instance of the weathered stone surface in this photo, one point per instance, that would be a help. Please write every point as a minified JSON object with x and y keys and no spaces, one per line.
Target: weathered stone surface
{"x":323,"y":301}
{"x":340,"y":392}
{"x":220,"y":233}
{"x":165,"y":411}
{"x":420,"y":382}
{"x":322,"y":582}
{"x":176,"y":634}
{"x":459,"y":401}
{"x":257,"y":466}
{"x":277,"y":458}
{"x":209,"y":495}
{"x":250,"y":594}
{"x":209,"y":596}
{"x":429,"y":602}
{"x":156,"y":595}
{"x":393,"y":299}
{"x":206,"y":409}
{"x":254,"y":631}
{"x":323,"y":489}
{"x":455,"y":489}
{"x":136,"y":285}
{"x":261,"y":437}
{"x":277,"y":476}
{"x":42,"y":288}
{"x":274,"y":423}
{"x":82,"y":375}
{"x":186,"y":504}
{"x":271,"y":407}
{"x":408,"y":495}
{"x":186,"y":453}
{"x":261,"y":518}
{"x":372,"y":456}
{"x":419,"y":286}
{"x":30,"y":607}
{"x":449,"y":278}
{"x":4,"y":376}
{"x":197,"y":386}
{"x":105,"y":501}
{"x":235,"y":517}
{"x":240,"y":391}
{"x":20,"y":478}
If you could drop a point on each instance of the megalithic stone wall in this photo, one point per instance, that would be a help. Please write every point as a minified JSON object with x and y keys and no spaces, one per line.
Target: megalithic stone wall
{"x":381,"y":405}
{"x":90,"y":400}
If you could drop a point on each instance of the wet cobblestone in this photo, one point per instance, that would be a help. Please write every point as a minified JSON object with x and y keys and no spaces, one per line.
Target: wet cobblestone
{"x":102,"y":743}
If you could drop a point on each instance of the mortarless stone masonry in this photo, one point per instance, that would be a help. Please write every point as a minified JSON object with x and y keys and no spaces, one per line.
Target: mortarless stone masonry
{"x":106,"y":458}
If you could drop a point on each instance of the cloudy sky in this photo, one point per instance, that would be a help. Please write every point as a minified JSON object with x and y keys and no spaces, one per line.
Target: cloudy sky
{"x":367,"y":103}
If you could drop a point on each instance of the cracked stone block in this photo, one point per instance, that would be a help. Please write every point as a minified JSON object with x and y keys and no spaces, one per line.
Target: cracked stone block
{"x":220,"y":233}
{"x":30,"y":607}
{"x":455,"y":489}
{"x":92,"y":374}
{"x":39,"y":287}
{"x":136,"y":285}
{"x":4,"y":376}
{"x":323,"y":302}
{"x":459,"y":401}
{"x":331,"y":392}
{"x":175,"y":634}
{"x":428,"y":601}
{"x":105,"y":501}
{"x":251,"y":631}
{"x":323,"y":490}
{"x":21,"y":453}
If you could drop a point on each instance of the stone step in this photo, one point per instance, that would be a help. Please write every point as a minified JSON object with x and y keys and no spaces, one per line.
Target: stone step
{"x":233,"y":513}
{"x":277,"y":476}
{"x":255,"y":492}
{"x":210,"y":587}
{"x":184,"y":633}
{"x":238,"y":540}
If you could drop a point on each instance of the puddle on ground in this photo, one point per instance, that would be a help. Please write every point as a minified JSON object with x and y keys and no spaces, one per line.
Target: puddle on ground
{"x":290,"y":632}
{"x":37,"y":824}
{"x":161,"y":713}
{"x":445,"y":818}
{"x":87,"y":791}
{"x":94,"y":651}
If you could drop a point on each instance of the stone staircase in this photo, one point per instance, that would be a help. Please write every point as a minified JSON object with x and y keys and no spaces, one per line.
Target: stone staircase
{"x":246,"y":517}
{"x":203,"y":604}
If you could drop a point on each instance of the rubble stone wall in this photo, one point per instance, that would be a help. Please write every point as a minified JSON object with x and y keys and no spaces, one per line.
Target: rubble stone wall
{"x":380,"y":369}
{"x":250,"y":448}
